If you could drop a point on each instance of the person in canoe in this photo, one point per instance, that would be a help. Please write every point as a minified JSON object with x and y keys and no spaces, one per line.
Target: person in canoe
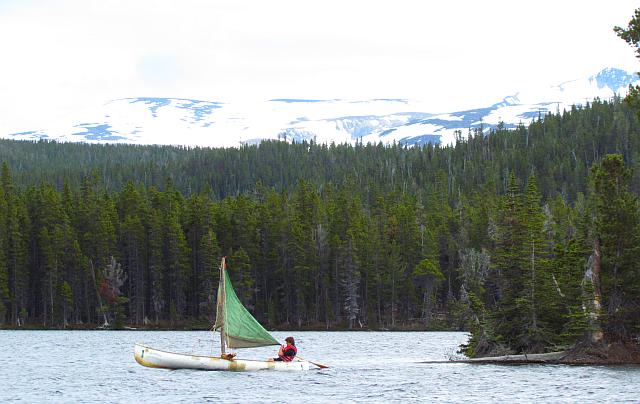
{"x":286,"y":353}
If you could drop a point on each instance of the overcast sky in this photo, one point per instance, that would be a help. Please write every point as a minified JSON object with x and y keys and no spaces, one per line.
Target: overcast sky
{"x":60,"y":56}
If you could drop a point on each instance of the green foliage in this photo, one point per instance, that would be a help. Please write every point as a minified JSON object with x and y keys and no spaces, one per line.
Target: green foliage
{"x":631,"y":34}
{"x":241,"y":277}
{"x":480,"y":342}
{"x":335,"y":235}
{"x":430,"y":269}
{"x":616,"y":226}
{"x":66,"y":293}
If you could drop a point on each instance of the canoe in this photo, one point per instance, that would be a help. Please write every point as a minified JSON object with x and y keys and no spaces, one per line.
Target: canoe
{"x":238,"y":329}
{"x":155,"y":358}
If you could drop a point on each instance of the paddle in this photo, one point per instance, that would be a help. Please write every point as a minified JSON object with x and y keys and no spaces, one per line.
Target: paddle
{"x":320,"y":365}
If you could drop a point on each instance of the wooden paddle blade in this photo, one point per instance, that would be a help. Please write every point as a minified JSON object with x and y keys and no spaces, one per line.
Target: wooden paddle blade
{"x":320,"y":365}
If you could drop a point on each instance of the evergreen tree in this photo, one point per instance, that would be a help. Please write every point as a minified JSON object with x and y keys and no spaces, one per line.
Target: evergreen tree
{"x":616,"y":224}
{"x":15,"y":246}
{"x":241,"y":277}
{"x":132,"y":244}
{"x":509,"y":261}
{"x":156,"y":268}
{"x":537,"y":290}
{"x":209,"y":275}
{"x":303,"y":224}
{"x":4,"y":273}
{"x":176,"y":258}
{"x":631,"y":35}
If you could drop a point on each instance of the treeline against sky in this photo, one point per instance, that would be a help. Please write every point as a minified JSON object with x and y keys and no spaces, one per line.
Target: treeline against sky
{"x":495,"y":234}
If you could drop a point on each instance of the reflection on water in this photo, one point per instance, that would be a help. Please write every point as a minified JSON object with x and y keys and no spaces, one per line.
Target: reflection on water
{"x":90,"y":366}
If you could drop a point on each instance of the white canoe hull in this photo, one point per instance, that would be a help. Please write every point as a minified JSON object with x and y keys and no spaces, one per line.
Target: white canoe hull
{"x":154,"y":358}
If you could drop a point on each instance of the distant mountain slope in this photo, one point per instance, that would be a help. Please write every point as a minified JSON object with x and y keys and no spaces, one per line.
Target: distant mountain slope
{"x":189,"y":122}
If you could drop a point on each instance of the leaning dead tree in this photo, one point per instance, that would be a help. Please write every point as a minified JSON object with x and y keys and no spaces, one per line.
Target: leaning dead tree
{"x":114,"y":278}
{"x":95,"y":283}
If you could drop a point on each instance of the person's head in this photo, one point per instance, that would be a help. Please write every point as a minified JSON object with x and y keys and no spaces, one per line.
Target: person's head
{"x":290,"y":341}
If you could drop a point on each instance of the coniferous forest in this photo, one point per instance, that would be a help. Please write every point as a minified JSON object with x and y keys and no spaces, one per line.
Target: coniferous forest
{"x":526,"y":237}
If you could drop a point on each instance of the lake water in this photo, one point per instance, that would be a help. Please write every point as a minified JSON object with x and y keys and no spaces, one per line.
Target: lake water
{"x":98,"y":366}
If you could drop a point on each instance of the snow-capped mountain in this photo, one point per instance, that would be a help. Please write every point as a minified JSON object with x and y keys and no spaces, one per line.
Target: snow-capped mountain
{"x":191,"y":122}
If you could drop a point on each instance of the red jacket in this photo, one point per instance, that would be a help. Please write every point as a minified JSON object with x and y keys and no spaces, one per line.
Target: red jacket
{"x":288,"y":353}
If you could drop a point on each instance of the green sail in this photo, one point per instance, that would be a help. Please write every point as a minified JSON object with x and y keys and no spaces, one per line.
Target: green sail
{"x":241,"y":330}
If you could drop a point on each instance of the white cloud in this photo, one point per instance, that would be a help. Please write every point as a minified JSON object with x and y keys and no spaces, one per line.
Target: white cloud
{"x":59,"y":56}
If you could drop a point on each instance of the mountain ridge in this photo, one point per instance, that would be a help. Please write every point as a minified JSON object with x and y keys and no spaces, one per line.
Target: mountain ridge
{"x":193,"y":122}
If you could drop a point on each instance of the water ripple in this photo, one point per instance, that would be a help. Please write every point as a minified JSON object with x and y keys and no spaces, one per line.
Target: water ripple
{"x":85,"y":367}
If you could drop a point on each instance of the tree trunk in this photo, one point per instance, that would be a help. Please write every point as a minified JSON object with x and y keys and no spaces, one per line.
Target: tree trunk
{"x":596,"y":335}
{"x":393,"y":298}
{"x":534,"y":317}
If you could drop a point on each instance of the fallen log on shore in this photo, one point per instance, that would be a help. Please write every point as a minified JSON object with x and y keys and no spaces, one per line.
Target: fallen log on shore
{"x":543,"y":358}
{"x":581,"y":354}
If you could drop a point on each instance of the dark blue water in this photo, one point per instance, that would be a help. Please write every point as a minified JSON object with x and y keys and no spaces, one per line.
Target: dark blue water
{"x":98,"y":366}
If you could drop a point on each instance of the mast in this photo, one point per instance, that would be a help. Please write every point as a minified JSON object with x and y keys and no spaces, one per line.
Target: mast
{"x":221,"y":308}
{"x":242,"y":330}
